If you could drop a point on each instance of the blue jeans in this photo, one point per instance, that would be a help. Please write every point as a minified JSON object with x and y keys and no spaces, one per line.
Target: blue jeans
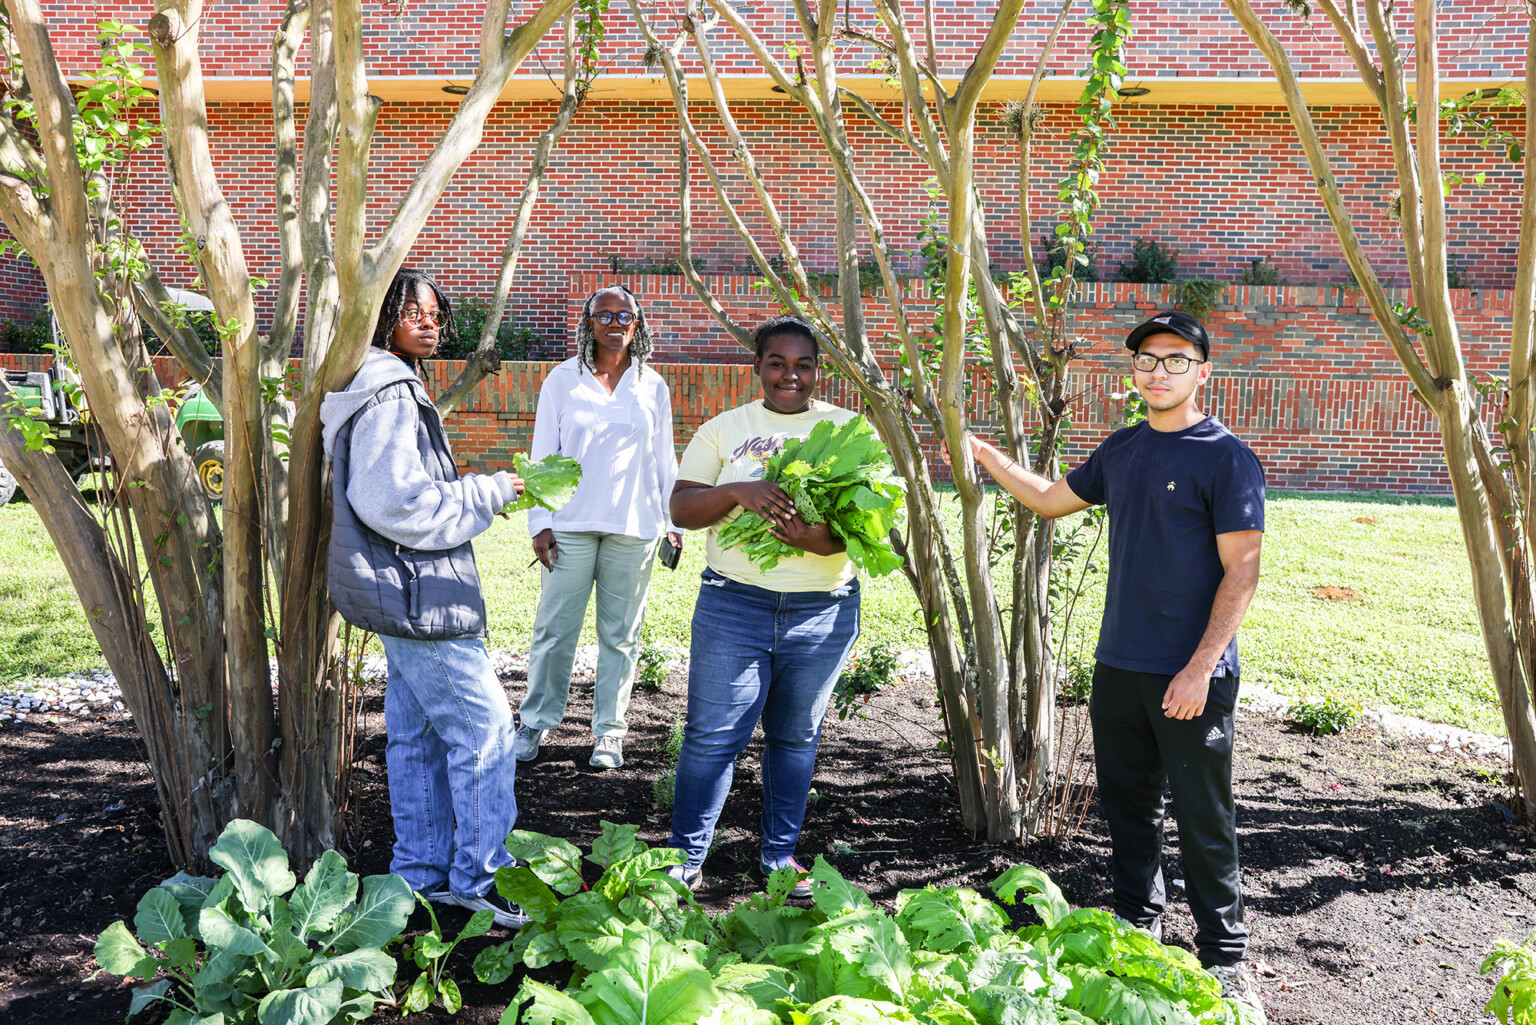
{"x":758,"y":654}
{"x":450,"y":764}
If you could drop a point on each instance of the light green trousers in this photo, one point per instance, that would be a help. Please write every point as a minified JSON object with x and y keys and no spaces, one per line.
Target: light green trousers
{"x":619,"y":567}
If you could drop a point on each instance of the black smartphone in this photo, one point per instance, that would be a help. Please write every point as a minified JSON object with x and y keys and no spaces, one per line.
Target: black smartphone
{"x":669,"y":553}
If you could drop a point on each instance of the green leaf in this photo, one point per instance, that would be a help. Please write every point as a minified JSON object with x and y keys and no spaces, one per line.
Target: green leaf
{"x":494,"y":965}
{"x":448,"y":992}
{"x":180,"y":952}
{"x":1008,"y":1006}
{"x":848,"y":1010}
{"x":549,"y":1007}
{"x":222,"y":934}
{"x":765,"y":984}
{"x":478,"y":925}
{"x":312,"y":1005}
{"x":614,"y":843}
{"x":378,"y":916}
{"x":529,"y":892}
{"x":255,"y":861}
{"x":556,"y":861}
{"x":429,"y":947}
{"x":949,"y":919}
{"x":325,"y":893}
{"x":649,"y":981}
{"x":159,"y":917}
{"x":119,"y":953}
{"x":549,"y":482}
{"x":1108,"y":999}
{"x":418,"y":996}
{"x":1040,"y":892}
{"x":590,"y":928}
{"x":367,"y":970}
{"x":873,"y":941}
{"x":835,"y":895}
{"x":143,"y":996}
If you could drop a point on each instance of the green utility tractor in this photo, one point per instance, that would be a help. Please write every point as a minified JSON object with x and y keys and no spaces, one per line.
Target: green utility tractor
{"x":43,"y":396}
{"x":202,"y":428}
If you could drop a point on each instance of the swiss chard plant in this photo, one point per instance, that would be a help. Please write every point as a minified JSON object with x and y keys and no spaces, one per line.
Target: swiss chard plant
{"x":254,"y":947}
{"x":642,"y":951}
{"x":430,"y":952}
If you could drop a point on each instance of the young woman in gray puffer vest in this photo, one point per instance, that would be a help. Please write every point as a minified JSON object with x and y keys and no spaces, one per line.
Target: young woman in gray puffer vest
{"x":401,"y":566}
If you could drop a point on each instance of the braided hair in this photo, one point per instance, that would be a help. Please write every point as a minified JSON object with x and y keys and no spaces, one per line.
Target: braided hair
{"x":640,"y":343}
{"x":404,"y":289}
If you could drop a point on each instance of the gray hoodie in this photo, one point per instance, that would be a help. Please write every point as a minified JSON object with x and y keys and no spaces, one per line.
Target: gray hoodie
{"x":400,"y":559}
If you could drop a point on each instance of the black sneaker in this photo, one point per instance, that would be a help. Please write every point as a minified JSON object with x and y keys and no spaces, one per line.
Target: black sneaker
{"x":692,"y":878}
{"x":1237,"y":986}
{"x":508,"y":914}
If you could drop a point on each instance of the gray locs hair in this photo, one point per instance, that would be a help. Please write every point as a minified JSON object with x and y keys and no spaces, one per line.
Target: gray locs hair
{"x":639,"y":343}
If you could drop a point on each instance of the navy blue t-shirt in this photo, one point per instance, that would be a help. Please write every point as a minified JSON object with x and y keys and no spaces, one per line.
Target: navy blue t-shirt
{"x":1169,"y":495}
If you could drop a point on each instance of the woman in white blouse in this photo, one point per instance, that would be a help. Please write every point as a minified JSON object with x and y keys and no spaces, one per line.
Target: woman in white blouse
{"x":608,"y":411}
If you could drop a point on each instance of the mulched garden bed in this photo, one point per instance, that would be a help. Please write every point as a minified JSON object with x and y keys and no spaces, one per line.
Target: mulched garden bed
{"x":1377,"y":876}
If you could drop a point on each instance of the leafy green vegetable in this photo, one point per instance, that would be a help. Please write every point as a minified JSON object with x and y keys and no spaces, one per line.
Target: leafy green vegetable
{"x":549,"y":482}
{"x":1514,"y":995}
{"x":244,"y":949}
{"x":645,"y":952}
{"x":840,"y":475}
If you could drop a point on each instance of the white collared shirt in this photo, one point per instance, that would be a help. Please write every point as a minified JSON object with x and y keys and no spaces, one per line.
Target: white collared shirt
{"x":623,"y":442}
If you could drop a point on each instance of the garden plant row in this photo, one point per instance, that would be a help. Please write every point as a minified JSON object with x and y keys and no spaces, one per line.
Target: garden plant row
{"x":257,"y":946}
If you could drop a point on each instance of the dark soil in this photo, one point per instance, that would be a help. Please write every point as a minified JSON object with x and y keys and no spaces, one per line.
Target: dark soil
{"x":1376,"y":877}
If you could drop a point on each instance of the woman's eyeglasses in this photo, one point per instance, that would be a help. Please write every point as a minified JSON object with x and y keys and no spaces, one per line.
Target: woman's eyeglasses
{"x":624,"y":317}
{"x":416,"y":315}
{"x":1146,"y":363}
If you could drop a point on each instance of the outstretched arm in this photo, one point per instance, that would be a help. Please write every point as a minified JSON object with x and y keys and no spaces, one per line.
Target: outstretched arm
{"x":1239,"y":552}
{"x":1046,"y":497}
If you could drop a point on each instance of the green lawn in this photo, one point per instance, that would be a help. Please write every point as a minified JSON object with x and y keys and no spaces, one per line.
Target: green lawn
{"x":1411,"y":640}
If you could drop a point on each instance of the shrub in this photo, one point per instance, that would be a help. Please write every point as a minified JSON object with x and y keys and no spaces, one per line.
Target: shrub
{"x":252,"y":947}
{"x":652,"y":667}
{"x":645,"y":265}
{"x":1151,"y":263}
{"x":864,"y":675}
{"x":1262,"y":272}
{"x":1514,"y":995}
{"x":1198,"y":296}
{"x":671,"y":748}
{"x":34,"y":335}
{"x":1324,"y":716}
{"x":469,"y":316}
{"x":1056,"y":256}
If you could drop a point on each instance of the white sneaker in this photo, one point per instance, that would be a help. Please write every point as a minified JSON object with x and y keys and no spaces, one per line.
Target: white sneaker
{"x":1237,"y":986}
{"x":608,"y":752}
{"x":525,"y":743}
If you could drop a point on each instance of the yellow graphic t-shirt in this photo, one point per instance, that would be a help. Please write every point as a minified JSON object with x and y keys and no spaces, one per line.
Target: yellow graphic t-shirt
{"x":733,"y":447}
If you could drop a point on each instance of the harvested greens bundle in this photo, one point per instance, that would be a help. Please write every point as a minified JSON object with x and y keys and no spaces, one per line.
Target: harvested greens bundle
{"x":838,"y":475}
{"x":549,"y":482}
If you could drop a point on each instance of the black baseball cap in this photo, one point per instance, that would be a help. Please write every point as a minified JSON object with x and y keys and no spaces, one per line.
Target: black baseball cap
{"x":1175,"y":322}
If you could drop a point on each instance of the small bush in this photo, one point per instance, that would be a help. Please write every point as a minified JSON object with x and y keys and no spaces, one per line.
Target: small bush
{"x":671,"y":748}
{"x":1199,"y":296}
{"x":469,"y":316}
{"x":1324,"y":716}
{"x":645,"y":265}
{"x":1456,"y":275}
{"x":1262,"y":272}
{"x":652,"y":667}
{"x":1056,"y":256}
{"x":33,"y":335}
{"x":1514,"y":995}
{"x":1151,"y":263}
{"x":864,"y":675}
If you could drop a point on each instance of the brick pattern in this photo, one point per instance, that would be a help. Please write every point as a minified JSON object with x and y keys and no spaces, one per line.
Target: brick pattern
{"x":1173,"y":38}
{"x":1222,"y":185}
{"x":1302,"y":375}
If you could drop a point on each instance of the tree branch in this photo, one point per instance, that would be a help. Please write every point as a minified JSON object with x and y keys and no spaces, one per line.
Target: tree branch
{"x":151,"y":300}
{"x":290,"y":279}
{"x":54,"y":106}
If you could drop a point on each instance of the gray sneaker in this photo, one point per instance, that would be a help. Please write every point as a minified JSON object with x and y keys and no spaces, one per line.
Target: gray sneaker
{"x":525,"y":743}
{"x":1237,"y":986}
{"x":608,"y":752}
{"x":692,"y":878}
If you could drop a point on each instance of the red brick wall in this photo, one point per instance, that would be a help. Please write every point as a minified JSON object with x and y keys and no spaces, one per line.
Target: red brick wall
{"x":1173,"y":38}
{"x":1302,"y":375}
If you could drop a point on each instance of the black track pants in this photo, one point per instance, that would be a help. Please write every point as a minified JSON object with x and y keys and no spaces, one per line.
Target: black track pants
{"x":1139,"y":751}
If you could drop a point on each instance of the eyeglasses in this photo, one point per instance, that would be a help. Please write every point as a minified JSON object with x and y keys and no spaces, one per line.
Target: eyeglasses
{"x":415,"y":315}
{"x":624,"y":317}
{"x":1146,"y":363}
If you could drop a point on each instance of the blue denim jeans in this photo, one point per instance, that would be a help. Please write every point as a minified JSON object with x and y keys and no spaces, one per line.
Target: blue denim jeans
{"x":450,"y":764}
{"x":758,"y":654}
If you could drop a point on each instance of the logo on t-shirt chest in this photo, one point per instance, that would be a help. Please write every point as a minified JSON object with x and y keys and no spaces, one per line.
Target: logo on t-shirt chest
{"x":758,"y":449}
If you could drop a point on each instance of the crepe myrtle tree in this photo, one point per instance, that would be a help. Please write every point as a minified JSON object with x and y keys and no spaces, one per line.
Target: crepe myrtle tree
{"x":220,"y":745}
{"x":1492,"y":477}
{"x":993,"y":654}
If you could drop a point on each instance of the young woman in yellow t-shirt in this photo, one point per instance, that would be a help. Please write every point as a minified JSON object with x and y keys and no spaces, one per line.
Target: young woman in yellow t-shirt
{"x":767,"y":644}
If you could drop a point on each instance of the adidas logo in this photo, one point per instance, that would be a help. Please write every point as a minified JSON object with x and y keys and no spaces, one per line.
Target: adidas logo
{"x":1214,"y":735}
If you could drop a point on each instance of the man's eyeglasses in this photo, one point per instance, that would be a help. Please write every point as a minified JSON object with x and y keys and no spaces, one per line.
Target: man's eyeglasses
{"x":1146,"y":363}
{"x":624,"y":317}
{"x":416,"y":315}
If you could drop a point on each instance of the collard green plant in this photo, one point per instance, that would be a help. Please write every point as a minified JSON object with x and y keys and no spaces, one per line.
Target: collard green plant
{"x":643,"y":951}
{"x":252,"y":947}
{"x":549,"y":482}
{"x":838,"y":475}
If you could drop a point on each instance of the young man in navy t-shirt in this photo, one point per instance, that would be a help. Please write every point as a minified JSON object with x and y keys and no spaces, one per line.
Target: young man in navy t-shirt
{"x":1186,"y":521}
